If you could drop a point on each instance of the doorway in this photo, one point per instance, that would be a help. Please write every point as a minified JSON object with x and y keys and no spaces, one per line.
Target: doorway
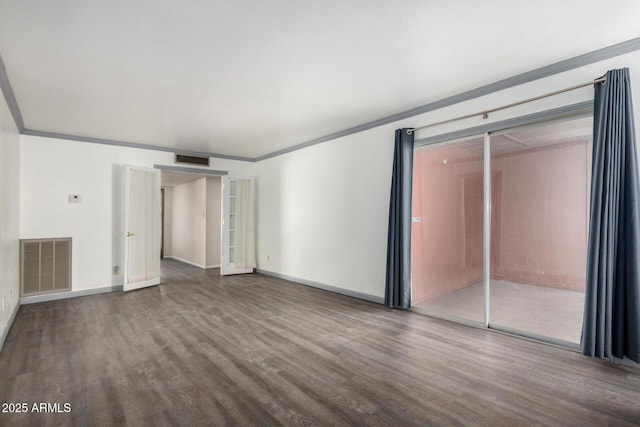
{"x":191,"y":210}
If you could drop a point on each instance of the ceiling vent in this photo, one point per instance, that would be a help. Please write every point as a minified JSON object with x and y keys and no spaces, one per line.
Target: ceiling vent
{"x":192,"y":160}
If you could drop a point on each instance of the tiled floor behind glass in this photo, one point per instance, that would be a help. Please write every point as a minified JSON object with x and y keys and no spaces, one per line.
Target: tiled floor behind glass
{"x":550,"y":312}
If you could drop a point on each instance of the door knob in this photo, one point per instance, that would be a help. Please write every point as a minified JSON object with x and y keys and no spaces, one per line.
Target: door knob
{"x":129,"y":234}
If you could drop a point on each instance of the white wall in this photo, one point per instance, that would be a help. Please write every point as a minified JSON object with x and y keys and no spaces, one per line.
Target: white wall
{"x":214,"y":200}
{"x":322,"y":211}
{"x":9,"y":217}
{"x":189,"y":226}
{"x":50,"y":169}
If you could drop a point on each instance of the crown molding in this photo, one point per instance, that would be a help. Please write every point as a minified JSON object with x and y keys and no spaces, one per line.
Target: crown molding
{"x":9,"y":97}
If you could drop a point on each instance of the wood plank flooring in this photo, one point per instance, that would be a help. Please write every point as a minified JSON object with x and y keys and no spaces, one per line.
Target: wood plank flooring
{"x":201,"y":349}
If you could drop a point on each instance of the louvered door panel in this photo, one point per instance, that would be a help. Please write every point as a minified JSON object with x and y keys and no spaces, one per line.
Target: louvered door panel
{"x":45,"y":266}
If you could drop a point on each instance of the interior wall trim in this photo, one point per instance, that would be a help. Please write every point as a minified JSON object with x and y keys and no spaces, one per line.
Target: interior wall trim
{"x":191,"y":170}
{"x":577,"y":109}
{"x":9,"y":97}
{"x":70,"y":294}
{"x":529,"y":76}
{"x":7,"y":327}
{"x":334,"y":289}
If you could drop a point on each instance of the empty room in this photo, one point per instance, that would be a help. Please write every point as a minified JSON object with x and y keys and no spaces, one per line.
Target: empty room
{"x":319,"y":213}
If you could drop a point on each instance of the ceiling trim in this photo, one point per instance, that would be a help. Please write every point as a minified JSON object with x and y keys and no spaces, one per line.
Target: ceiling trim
{"x":9,"y":97}
{"x":546,"y":71}
{"x":45,"y":134}
{"x":190,"y":170}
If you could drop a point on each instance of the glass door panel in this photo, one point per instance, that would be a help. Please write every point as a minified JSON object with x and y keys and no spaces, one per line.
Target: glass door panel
{"x":540,"y":198}
{"x":447,"y":227}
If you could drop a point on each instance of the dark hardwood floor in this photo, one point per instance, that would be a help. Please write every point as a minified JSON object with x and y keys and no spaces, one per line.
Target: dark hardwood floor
{"x":201,"y":349}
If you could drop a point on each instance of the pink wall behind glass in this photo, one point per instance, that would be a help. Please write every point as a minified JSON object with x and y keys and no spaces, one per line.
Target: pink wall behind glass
{"x":539,"y":218}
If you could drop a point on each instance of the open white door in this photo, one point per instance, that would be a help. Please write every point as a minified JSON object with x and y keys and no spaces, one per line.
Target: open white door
{"x":142,"y":228}
{"x":238,"y":228}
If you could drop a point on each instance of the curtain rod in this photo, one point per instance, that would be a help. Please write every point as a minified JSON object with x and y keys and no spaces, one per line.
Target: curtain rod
{"x":485,"y":113}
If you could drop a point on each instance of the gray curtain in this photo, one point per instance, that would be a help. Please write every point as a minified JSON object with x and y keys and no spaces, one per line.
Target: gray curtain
{"x":612,"y":298}
{"x":398,"y":283}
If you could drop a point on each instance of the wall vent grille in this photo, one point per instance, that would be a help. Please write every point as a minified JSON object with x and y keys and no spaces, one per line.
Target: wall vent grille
{"x":45,"y":266}
{"x":192,"y":160}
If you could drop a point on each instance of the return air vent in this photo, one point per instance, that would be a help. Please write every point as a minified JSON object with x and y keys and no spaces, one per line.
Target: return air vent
{"x":192,"y":160}
{"x":45,"y":266}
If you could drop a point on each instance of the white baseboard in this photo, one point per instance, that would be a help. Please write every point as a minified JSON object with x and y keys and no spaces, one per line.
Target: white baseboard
{"x":7,"y":327}
{"x":70,"y":294}
{"x":195,"y":264}
{"x":334,"y":289}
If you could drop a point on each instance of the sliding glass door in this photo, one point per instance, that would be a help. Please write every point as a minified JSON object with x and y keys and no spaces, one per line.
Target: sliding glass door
{"x":540,"y":232}
{"x":537,"y":230}
{"x":447,"y":230}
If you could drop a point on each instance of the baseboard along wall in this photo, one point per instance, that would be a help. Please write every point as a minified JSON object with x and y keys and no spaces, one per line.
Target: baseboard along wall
{"x":71,"y":294}
{"x":334,"y":289}
{"x":7,"y":327}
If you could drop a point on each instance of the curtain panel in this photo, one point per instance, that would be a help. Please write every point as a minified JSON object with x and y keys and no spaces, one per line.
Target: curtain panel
{"x":398,"y":280}
{"x":611,"y":324}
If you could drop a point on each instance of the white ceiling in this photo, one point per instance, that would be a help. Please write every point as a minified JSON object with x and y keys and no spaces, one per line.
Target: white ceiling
{"x":247,"y":78}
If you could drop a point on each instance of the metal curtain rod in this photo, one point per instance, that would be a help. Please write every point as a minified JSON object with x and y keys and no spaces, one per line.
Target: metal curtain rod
{"x":485,"y":113}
